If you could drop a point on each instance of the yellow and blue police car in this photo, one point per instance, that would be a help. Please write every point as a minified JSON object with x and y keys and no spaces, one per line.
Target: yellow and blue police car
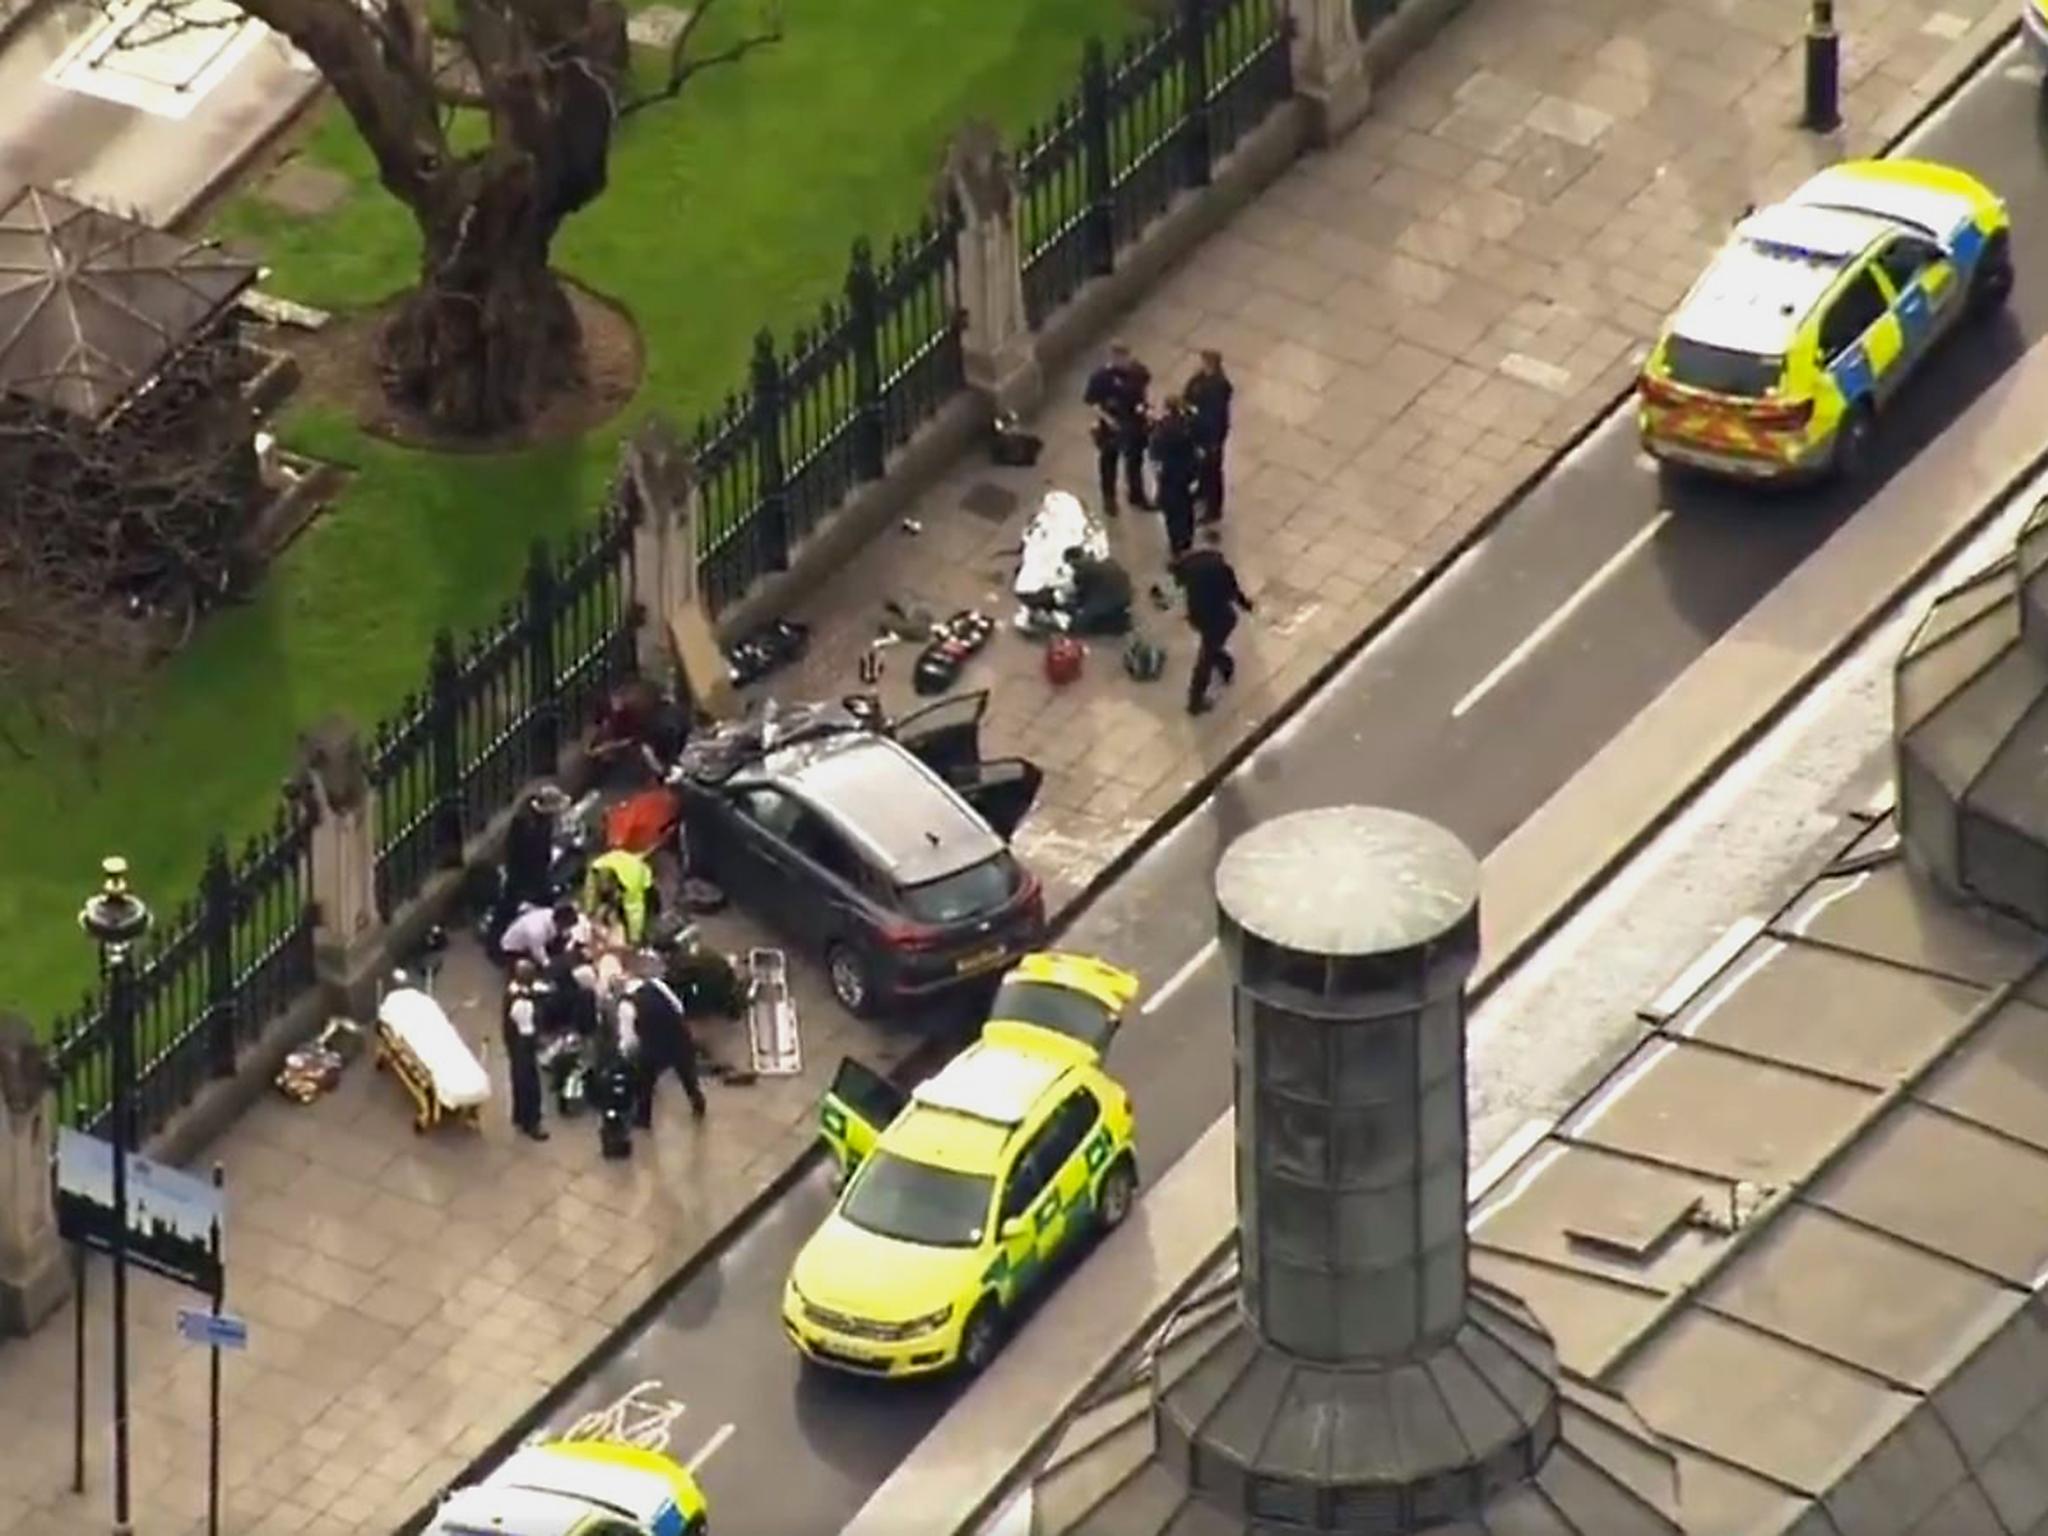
{"x":957,"y":1200}
{"x":577,"y":1488}
{"x":1777,"y":363}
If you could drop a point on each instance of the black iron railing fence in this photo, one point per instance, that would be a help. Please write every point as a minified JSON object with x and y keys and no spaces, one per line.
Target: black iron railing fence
{"x":1140,"y":128}
{"x":818,"y":418}
{"x":496,"y":709}
{"x":208,"y":981}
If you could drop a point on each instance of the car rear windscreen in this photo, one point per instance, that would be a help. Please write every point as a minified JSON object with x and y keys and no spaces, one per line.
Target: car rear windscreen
{"x":974,"y":891}
{"x":1697,"y":365}
{"x":1059,"y":1009}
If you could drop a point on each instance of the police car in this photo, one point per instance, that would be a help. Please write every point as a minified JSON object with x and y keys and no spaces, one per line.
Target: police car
{"x":577,"y":1488}
{"x":1779,"y":361}
{"x":957,"y":1200}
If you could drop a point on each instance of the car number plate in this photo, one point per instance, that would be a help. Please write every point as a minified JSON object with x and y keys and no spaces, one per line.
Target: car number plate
{"x":981,"y":960}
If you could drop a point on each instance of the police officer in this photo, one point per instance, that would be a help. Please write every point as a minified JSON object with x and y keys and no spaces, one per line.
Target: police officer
{"x":1175,"y":455}
{"x":1208,"y":395}
{"x":523,"y":1001}
{"x":702,"y":979}
{"x":1117,"y":391}
{"x":1214,"y":599}
{"x":651,"y":1024}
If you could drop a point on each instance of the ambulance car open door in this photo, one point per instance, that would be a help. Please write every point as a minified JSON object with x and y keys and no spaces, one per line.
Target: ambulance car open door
{"x":856,"y":1109}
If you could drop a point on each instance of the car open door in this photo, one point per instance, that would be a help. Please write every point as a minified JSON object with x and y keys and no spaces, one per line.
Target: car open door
{"x":1041,"y":992}
{"x":1002,"y":791}
{"x":855,"y":1111}
{"x":946,"y":735}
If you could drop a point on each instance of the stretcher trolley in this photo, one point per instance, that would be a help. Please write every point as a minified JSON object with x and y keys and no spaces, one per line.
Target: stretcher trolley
{"x":771,"y":1015}
{"x":418,"y":1045}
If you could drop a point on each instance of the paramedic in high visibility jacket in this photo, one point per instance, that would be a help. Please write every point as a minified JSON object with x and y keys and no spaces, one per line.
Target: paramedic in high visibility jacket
{"x":619,"y":892}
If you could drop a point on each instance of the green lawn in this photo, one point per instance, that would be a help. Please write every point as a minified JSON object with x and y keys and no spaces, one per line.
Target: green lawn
{"x":732,"y":207}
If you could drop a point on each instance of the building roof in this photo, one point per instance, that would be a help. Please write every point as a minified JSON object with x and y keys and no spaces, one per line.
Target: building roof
{"x":1797,"y":1226}
{"x":92,"y":305}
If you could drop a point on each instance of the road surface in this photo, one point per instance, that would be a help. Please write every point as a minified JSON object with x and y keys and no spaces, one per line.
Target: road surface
{"x":1486,"y":696}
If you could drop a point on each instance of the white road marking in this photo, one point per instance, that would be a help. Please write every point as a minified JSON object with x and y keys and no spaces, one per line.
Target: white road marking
{"x":638,"y":1419}
{"x":710,"y":1447}
{"x":1561,"y":615}
{"x":1179,"y":978}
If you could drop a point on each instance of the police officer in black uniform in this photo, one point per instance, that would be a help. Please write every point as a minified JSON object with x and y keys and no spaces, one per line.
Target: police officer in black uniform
{"x":1208,"y":395}
{"x":1214,"y":600}
{"x":1177,"y":458}
{"x":1117,"y":390}
{"x":524,"y":997}
{"x":653,"y":1016}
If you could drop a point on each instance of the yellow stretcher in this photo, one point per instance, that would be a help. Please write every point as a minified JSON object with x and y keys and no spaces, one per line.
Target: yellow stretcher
{"x":420,"y":1047}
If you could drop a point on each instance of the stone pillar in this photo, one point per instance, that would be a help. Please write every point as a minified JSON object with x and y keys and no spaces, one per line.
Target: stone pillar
{"x":1002,"y":360}
{"x":1362,"y":1381}
{"x":1350,"y":933}
{"x":657,"y":473}
{"x":335,"y":770}
{"x":675,"y":632}
{"x":34,"y":1278}
{"x":1329,"y":66}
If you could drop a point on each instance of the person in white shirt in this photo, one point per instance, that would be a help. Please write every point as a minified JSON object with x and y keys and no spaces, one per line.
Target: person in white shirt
{"x":522,"y":1046}
{"x":535,"y":932}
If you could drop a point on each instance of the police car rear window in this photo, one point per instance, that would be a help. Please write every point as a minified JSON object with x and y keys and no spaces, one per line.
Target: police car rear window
{"x":917,"y":1203}
{"x":1697,"y":365}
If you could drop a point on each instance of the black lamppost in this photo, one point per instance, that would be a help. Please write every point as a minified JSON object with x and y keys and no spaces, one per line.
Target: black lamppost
{"x":116,"y":919}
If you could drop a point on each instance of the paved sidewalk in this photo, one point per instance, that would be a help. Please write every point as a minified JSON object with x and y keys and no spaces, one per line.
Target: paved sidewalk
{"x":1416,"y":320}
{"x":407,"y":1296}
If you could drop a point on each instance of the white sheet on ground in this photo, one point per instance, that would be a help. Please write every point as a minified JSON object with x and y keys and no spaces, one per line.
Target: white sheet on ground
{"x":1059,"y":524}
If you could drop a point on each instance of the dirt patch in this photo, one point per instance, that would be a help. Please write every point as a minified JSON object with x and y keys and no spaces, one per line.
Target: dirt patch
{"x":338,"y":369}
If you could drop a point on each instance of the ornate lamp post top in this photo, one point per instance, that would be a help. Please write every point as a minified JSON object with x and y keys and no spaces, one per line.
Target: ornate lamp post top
{"x":115,"y":916}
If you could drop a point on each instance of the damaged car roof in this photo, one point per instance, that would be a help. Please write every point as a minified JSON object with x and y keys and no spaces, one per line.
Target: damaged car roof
{"x":877,"y":792}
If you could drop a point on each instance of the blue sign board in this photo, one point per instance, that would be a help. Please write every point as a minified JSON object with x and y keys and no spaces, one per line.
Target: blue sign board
{"x":215,"y":1330}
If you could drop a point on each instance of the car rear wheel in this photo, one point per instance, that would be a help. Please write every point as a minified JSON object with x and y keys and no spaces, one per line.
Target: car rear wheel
{"x":1113,"y":1204}
{"x":981,"y":1338}
{"x":852,"y":978}
{"x":1852,"y":443}
{"x":1991,"y":283}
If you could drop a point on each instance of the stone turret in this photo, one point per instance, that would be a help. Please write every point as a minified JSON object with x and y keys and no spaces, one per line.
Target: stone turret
{"x":1361,"y":1381}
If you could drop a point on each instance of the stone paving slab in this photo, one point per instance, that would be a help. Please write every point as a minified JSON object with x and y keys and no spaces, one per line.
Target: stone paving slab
{"x":407,"y":1296}
{"x":1417,"y":320}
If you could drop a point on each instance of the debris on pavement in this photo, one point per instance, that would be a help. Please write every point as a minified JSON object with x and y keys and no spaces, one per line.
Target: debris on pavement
{"x":768,"y":649}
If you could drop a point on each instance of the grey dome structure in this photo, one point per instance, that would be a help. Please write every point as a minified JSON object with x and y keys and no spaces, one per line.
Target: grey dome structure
{"x":1349,"y":1375}
{"x":1970,"y":722}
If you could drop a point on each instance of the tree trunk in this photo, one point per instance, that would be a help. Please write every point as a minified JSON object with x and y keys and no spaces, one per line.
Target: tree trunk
{"x":488,"y":338}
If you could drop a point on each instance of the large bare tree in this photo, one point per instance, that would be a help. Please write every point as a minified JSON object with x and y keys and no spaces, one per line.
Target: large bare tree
{"x":488,"y":334}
